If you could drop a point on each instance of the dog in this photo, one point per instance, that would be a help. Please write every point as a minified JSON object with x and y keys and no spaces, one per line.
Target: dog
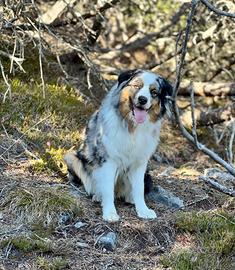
{"x":119,"y":141}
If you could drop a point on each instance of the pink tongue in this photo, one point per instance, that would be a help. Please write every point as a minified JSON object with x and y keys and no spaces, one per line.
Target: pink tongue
{"x":140,"y":115}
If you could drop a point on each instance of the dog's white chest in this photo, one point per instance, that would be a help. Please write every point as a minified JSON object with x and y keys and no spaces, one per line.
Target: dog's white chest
{"x":128,"y":149}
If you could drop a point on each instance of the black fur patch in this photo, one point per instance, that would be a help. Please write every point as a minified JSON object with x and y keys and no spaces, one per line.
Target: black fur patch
{"x":166,"y":89}
{"x":148,"y":182}
{"x":128,"y":75}
{"x":74,"y":178}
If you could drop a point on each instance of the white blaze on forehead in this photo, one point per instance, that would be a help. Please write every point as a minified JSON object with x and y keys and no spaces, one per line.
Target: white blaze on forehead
{"x":148,"y":79}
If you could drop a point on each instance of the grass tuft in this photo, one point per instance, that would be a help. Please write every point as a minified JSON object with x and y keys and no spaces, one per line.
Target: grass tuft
{"x":57,"y":263}
{"x":215,"y":242}
{"x":42,"y":207}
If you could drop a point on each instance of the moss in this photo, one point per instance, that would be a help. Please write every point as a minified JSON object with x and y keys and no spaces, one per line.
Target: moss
{"x":56,"y":263}
{"x":215,"y":241}
{"x":27,"y":244}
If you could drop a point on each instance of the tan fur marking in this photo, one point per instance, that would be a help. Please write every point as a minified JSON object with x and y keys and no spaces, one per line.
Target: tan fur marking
{"x":137,"y":83}
{"x":127,"y":93}
{"x":154,"y":111}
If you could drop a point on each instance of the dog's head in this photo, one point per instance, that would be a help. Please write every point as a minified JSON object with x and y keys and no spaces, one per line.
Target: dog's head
{"x":144,"y":96}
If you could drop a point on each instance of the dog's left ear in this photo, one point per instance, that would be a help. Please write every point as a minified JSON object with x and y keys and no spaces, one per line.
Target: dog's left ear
{"x":166,"y":89}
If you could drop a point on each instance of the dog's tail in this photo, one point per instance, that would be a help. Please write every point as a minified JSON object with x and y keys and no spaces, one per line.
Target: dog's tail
{"x":76,"y":171}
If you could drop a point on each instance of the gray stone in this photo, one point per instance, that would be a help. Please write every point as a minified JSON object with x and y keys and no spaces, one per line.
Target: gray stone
{"x":219,"y":174}
{"x":160,"y":195}
{"x":79,"y":224}
{"x":82,"y":245}
{"x":108,"y":241}
{"x":64,"y":218}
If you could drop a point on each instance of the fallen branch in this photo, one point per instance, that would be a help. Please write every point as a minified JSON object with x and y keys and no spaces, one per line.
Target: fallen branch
{"x":216,"y":10}
{"x":217,"y":186}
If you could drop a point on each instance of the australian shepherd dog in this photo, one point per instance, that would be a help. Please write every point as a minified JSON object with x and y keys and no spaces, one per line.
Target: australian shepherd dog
{"x":119,"y":141}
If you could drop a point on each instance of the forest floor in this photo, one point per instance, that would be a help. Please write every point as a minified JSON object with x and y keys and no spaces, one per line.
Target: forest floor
{"x":39,"y":209}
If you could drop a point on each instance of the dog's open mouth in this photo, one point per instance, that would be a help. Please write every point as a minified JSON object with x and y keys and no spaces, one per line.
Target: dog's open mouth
{"x":140,"y":114}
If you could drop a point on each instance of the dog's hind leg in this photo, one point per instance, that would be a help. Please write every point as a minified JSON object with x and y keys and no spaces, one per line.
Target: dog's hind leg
{"x":105,"y":178}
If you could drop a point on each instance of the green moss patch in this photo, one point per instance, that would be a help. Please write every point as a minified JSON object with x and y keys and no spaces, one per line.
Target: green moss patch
{"x":28,"y":244}
{"x":214,"y":247}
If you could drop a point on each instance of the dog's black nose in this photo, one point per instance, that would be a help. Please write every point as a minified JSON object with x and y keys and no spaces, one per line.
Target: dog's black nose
{"x":142,"y":100}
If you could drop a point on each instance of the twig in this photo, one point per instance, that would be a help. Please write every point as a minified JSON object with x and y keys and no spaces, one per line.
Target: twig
{"x":185,"y":133}
{"x":39,"y":48}
{"x":194,"y":125}
{"x":6,"y":82}
{"x":197,"y":201}
{"x":230,"y":148}
{"x":216,"y":10}
{"x":17,"y":60}
{"x":217,"y":186}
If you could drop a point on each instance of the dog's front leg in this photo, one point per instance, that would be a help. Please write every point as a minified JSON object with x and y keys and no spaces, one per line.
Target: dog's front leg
{"x":136,"y":177}
{"x":105,"y":178}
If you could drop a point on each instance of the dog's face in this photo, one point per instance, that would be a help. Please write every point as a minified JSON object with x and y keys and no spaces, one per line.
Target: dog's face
{"x":144,"y":96}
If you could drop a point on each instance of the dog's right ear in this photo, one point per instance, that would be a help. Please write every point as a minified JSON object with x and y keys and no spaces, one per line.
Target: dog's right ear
{"x":126,"y":76}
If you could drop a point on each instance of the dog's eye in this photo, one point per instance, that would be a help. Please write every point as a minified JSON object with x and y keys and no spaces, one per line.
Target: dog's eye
{"x":154,"y":93}
{"x":136,"y":86}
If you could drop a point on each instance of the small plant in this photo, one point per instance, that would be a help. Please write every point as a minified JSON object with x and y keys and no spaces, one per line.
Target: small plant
{"x":57,"y":263}
{"x":27,"y":244}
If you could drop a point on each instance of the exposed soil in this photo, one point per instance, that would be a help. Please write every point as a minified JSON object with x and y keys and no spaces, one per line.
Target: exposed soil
{"x":140,"y":243}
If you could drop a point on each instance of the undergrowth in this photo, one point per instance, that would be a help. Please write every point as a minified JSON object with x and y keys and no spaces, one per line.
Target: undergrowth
{"x":50,"y":126}
{"x":213,"y":246}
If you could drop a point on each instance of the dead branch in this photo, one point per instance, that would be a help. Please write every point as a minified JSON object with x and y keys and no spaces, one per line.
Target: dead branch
{"x":217,"y":186}
{"x":8,"y":91}
{"x":230,"y":148}
{"x":216,"y":10}
{"x":208,"y":89}
{"x":179,"y":70}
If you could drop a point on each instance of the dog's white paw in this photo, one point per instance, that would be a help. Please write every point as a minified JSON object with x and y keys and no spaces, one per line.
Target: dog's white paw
{"x":146,"y":213}
{"x":96,"y":198}
{"x":111,"y":216}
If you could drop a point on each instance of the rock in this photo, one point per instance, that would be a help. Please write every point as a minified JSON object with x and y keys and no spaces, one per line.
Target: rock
{"x":79,"y":224}
{"x":108,"y":241}
{"x":160,"y":195}
{"x":64,"y":218}
{"x":82,"y":245}
{"x":219,"y":174}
